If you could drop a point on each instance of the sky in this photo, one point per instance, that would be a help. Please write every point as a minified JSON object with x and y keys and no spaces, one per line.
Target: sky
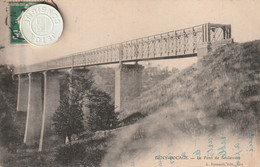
{"x":90,"y":24}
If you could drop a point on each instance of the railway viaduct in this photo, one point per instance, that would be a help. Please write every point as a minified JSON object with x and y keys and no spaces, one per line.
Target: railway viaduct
{"x":39,"y":84}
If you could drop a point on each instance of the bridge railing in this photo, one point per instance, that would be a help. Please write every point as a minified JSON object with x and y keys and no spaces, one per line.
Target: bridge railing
{"x":169,"y":44}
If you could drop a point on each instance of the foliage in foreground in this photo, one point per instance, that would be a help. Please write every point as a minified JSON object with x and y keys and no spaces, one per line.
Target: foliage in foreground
{"x":88,"y":153}
{"x":9,"y":133}
{"x":70,"y":153}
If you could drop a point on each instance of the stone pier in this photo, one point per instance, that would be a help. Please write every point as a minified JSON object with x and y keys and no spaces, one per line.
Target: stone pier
{"x":23,"y":86}
{"x":50,"y":104}
{"x":34,"y":109}
{"x":128,"y":83}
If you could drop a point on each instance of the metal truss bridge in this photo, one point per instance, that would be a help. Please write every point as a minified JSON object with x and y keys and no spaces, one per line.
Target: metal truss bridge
{"x":173,"y":44}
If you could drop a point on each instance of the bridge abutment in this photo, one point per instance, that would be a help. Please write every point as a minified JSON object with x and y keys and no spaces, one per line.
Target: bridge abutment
{"x":128,"y":83}
{"x":204,"y":48}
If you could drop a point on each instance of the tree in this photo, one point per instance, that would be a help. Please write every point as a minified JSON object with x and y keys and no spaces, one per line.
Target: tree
{"x":68,"y":118}
{"x":102,"y":115}
{"x":9,"y":137}
{"x":75,"y":89}
{"x":8,"y":89}
{"x":8,"y":133}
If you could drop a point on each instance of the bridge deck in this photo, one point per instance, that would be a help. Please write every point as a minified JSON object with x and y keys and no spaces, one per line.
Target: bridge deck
{"x":173,"y":44}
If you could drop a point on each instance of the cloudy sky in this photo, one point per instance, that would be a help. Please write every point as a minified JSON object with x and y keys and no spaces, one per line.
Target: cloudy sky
{"x":94,"y":23}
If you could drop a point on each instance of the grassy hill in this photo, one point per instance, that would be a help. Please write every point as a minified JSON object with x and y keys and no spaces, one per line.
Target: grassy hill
{"x":219,"y":95}
{"x":223,"y":83}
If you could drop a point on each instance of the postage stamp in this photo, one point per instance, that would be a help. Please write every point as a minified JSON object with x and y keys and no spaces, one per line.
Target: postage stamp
{"x":17,"y":8}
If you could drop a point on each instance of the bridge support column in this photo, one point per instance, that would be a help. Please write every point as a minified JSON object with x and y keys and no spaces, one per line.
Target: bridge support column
{"x":128,"y":84}
{"x":51,"y":102}
{"x":19,"y":92}
{"x":22,"y":98}
{"x":28,"y":109}
{"x":34,"y":110}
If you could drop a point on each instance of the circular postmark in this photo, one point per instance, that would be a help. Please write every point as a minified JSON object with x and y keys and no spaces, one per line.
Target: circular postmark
{"x":41,"y":25}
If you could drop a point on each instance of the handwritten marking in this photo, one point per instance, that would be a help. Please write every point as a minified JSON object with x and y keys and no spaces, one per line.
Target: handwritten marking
{"x":222,"y":150}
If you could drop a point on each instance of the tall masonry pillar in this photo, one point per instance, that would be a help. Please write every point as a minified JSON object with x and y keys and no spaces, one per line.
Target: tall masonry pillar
{"x":51,"y":101}
{"x":23,"y":86}
{"x":128,"y":84}
{"x":34,"y":109}
{"x":19,"y":93}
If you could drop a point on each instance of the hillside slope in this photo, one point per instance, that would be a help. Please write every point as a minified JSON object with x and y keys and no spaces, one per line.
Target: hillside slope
{"x":224,"y":83}
{"x":213,"y":102}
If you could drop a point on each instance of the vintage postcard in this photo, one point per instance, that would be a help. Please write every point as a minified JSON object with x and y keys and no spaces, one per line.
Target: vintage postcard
{"x":108,"y":83}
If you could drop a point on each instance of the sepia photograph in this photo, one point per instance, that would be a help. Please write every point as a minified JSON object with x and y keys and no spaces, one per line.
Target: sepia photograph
{"x":130,"y":83}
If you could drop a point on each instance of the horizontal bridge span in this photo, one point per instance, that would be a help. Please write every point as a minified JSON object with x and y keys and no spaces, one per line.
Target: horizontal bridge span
{"x":173,"y":44}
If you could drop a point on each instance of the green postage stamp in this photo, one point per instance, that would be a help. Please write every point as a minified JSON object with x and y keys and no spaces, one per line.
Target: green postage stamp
{"x":17,"y":8}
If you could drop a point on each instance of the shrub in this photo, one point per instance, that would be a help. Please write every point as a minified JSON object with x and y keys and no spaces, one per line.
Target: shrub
{"x":94,"y":157}
{"x":70,"y":154}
